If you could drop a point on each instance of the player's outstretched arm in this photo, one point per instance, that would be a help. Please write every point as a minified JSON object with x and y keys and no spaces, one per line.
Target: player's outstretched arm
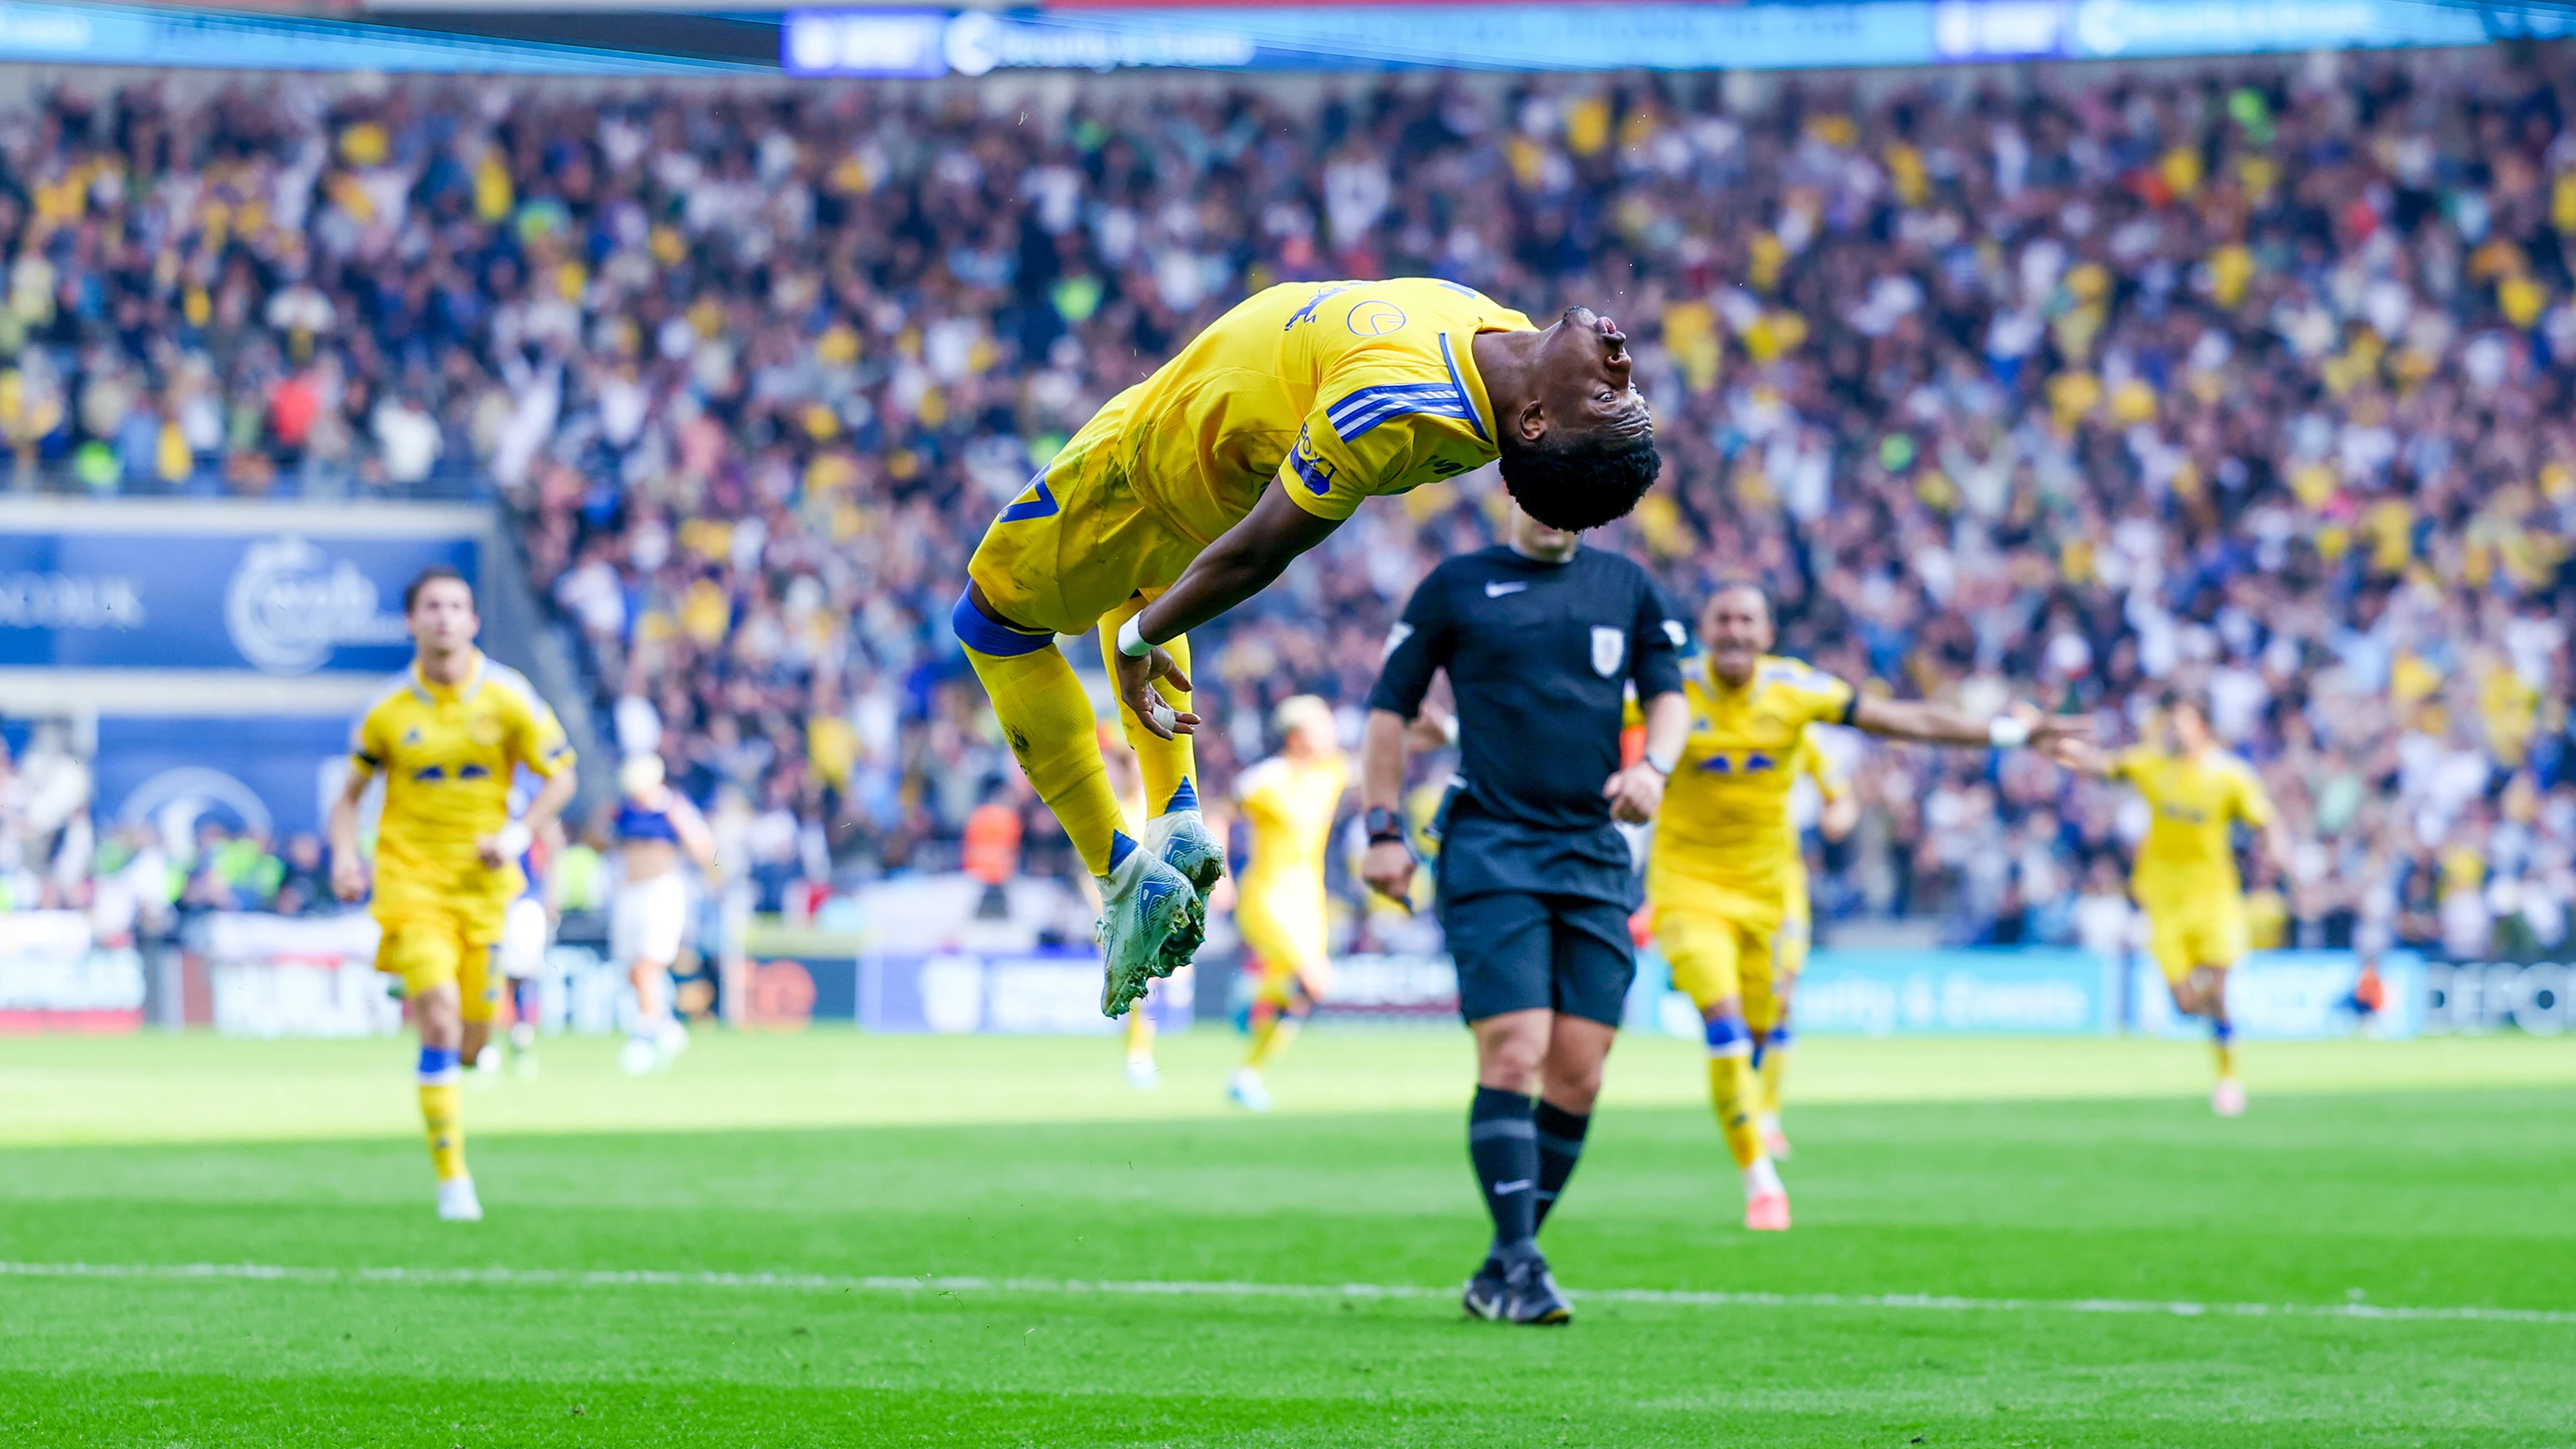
{"x":1242,"y":562}
{"x":2058,"y":736}
{"x":1388,"y":866}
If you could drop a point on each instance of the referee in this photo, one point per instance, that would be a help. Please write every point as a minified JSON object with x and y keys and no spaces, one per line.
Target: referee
{"x":1541,"y":639}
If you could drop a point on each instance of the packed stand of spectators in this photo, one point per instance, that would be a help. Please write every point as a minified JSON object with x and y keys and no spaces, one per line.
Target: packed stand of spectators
{"x":2252,"y":378}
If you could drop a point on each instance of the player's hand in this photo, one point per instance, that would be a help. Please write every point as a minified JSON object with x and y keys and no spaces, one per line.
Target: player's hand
{"x":1136,"y":690}
{"x":2064,"y":738}
{"x":1388,"y":869}
{"x":1635,"y":793}
{"x":348,"y":877}
{"x":489,"y":851}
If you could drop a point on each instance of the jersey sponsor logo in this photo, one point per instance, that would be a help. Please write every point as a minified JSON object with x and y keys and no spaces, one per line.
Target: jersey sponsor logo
{"x":428,"y":774}
{"x":1395,"y":638}
{"x":473,"y":772}
{"x":1374,"y":318}
{"x":290,"y":604}
{"x":1034,"y":502}
{"x":1609,"y":646}
{"x":1496,"y":589}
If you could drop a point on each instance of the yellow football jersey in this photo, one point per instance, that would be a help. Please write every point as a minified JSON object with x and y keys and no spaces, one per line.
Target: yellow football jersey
{"x":1279,"y":901}
{"x":2188,"y":850}
{"x":1724,"y":839}
{"x":447,"y":756}
{"x":1342,"y":390}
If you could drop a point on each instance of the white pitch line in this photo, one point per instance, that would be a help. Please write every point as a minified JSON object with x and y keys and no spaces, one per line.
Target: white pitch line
{"x":1162,"y":1288}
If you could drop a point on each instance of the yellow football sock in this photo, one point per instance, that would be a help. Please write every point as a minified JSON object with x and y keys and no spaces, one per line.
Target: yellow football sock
{"x":442,"y":1112}
{"x":1164,"y":764}
{"x":1775,"y":1067}
{"x":1048,"y":720}
{"x":1732,"y":1090}
{"x":1270,"y":1039}
{"x":1140,"y":1034}
{"x":2226,"y":1048}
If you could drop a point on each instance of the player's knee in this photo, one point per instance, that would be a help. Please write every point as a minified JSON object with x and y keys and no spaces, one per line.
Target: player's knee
{"x":1723,"y":1025}
{"x":1511,"y":1059}
{"x":439,"y":1014}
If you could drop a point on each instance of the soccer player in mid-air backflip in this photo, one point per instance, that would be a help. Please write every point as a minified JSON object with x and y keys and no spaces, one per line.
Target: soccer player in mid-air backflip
{"x":1541,"y":640}
{"x":447,"y":736}
{"x":1725,"y":855}
{"x":1189,"y":493}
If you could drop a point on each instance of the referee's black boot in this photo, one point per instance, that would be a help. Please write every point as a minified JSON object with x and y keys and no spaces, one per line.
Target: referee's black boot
{"x":1531,"y":1295}
{"x":1488,"y":1291}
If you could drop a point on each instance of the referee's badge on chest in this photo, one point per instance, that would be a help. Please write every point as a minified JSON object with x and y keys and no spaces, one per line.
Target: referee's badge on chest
{"x":1609,"y":646}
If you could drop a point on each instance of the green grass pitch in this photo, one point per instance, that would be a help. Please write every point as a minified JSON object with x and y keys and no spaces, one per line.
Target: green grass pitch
{"x":837,"y":1240}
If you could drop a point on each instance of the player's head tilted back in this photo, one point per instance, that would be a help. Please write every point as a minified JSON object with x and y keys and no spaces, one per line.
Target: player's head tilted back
{"x":1578,"y":446}
{"x":439,"y":608}
{"x":1736,"y":629}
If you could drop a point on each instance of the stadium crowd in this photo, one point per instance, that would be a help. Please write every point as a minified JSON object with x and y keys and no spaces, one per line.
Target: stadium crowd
{"x":2250,"y":378}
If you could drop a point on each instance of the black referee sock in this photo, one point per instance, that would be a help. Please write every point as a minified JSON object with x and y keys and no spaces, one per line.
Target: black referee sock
{"x":1560,"y":1146}
{"x":1502,"y":1140}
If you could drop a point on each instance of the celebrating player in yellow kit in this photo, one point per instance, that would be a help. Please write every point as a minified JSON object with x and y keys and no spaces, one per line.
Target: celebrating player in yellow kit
{"x":447,"y":736}
{"x":1838,"y":810}
{"x":1289,"y":801}
{"x":1720,"y":872}
{"x":2185,"y":876}
{"x":1189,"y":492}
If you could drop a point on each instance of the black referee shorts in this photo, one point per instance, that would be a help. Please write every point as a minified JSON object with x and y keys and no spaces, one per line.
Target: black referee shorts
{"x":1520,"y":951}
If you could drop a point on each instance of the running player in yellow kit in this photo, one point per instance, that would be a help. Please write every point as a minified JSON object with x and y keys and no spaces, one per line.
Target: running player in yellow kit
{"x":1189,"y":492}
{"x":2185,"y":876}
{"x":1720,"y":873}
{"x":1838,"y":809}
{"x":1289,"y":800}
{"x":447,"y":736}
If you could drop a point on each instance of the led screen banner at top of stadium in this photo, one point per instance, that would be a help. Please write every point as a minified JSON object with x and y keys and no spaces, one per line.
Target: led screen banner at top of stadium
{"x":882,"y":42}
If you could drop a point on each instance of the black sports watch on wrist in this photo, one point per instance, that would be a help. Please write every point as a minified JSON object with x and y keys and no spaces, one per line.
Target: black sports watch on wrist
{"x":1384,"y":825}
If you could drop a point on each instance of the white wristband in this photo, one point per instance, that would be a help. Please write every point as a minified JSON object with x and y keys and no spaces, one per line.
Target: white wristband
{"x":2006,"y":732}
{"x":1662,"y":767}
{"x":514,"y":839}
{"x":1131,"y":637}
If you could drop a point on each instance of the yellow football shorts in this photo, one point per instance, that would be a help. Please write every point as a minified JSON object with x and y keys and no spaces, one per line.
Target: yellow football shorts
{"x":1714,"y":957}
{"x":1078,"y":543}
{"x":2209,"y":931}
{"x":430,"y":949}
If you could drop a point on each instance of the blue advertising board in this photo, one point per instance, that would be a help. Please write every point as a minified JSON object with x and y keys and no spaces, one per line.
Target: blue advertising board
{"x":2288,"y":996}
{"x":1967,"y":992}
{"x":1045,"y":992}
{"x":269,"y":774}
{"x":279,"y":603}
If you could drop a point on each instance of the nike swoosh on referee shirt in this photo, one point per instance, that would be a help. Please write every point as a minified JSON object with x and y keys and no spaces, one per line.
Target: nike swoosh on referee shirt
{"x":1496,"y":591}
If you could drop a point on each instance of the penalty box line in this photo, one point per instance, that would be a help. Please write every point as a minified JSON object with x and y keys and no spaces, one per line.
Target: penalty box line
{"x":1156,"y":1288}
